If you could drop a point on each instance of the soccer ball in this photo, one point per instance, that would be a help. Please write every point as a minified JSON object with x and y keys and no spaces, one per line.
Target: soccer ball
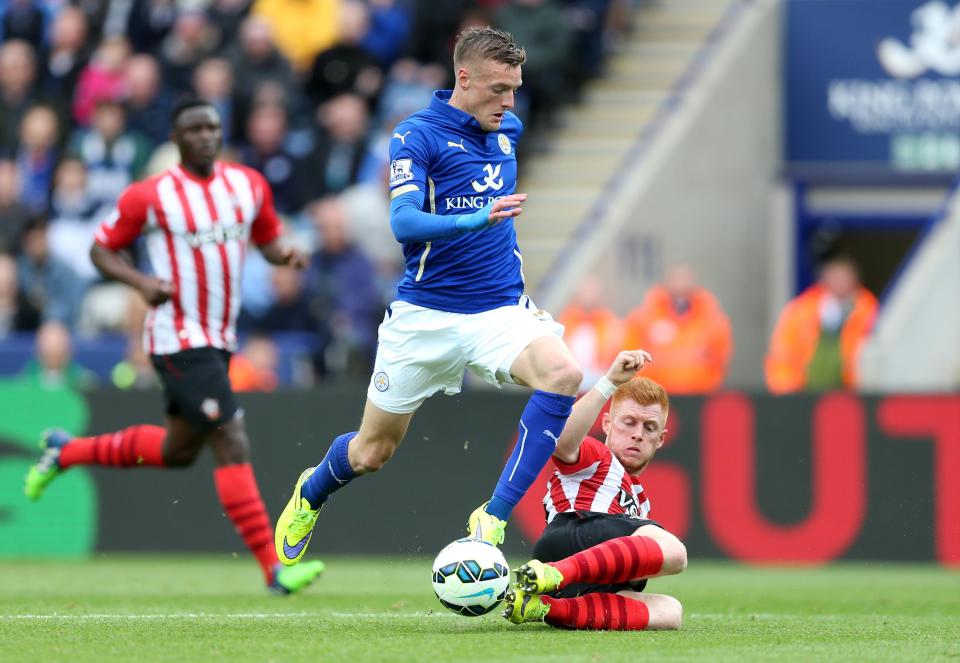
{"x":470,"y":577}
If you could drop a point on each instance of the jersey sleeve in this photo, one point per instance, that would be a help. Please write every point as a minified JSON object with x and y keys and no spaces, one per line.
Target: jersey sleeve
{"x":591,"y":451}
{"x":125,"y":222}
{"x":409,"y":158}
{"x":266,"y":225}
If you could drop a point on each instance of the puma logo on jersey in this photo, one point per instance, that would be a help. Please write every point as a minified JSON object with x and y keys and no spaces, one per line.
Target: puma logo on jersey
{"x":450,"y":143}
{"x":402,"y":137}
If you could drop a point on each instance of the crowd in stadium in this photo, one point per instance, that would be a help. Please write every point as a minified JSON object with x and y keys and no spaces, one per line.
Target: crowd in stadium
{"x":309,"y":91}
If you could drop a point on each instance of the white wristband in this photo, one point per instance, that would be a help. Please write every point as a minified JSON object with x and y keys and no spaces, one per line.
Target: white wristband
{"x":605,"y":387}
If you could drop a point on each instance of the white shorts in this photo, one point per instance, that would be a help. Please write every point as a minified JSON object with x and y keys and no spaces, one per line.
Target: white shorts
{"x":422,"y":351}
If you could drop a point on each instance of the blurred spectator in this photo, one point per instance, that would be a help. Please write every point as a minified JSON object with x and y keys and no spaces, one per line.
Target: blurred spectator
{"x":68,"y":52}
{"x":48,"y":285}
{"x":228,"y":15}
{"x":389,"y":30}
{"x":431,"y":19}
{"x":543,"y":29}
{"x":149,"y":22}
{"x":53,"y":366}
{"x":272,"y":153}
{"x":342,"y":145}
{"x":149,"y":103}
{"x":592,"y":331}
{"x":23,"y":19}
{"x":213,"y":81}
{"x":135,"y":371}
{"x":192,"y":39}
{"x":74,"y":216}
{"x":14,"y":216}
{"x":818,"y":337}
{"x":254,"y":368}
{"x":114,"y":156}
{"x":16,"y":314}
{"x":37,"y":157}
{"x":342,"y":286}
{"x":589,"y":20}
{"x":102,"y":80}
{"x":301,"y":28}
{"x":346,"y":66}
{"x":683,"y":326}
{"x":255,"y":61}
{"x":18,"y":90}
{"x":289,"y":309}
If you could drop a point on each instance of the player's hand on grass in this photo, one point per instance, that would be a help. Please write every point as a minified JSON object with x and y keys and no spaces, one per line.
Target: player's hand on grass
{"x":627,"y":363}
{"x":156,"y":291}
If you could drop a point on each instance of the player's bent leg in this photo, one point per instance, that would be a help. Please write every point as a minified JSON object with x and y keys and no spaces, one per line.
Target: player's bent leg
{"x":130,"y":447}
{"x":673,"y":550}
{"x":618,"y":560}
{"x":349,"y":456}
{"x":665,"y":612}
{"x":624,"y":611}
{"x":183,"y":443}
{"x":546,"y":365}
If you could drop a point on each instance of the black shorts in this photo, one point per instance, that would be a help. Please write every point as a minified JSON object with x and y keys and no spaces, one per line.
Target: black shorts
{"x":196,"y":385}
{"x":569,"y":533}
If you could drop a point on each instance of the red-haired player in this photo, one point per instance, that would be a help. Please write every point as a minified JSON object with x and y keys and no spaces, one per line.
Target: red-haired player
{"x":599,"y":547}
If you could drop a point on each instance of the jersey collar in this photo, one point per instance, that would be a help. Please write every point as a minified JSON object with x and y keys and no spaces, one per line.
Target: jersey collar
{"x":441,"y":104}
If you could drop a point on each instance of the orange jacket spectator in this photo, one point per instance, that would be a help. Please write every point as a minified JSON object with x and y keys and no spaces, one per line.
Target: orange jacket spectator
{"x":255,"y":369}
{"x":690,"y":346}
{"x":593,"y":332}
{"x":798,"y":337}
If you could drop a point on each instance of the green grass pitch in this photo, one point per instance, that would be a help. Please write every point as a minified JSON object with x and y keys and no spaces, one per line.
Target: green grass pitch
{"x":125,"y":608}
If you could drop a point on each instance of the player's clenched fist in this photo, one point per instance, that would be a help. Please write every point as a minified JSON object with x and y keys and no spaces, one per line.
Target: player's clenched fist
{"x":627,"y":363}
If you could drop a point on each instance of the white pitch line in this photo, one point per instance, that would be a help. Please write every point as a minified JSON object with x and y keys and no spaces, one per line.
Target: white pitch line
{"x":215,"y":616}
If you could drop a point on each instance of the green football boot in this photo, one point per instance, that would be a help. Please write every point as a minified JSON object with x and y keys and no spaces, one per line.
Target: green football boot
{"x":290,"y":580}
{"x":535,"y":577}
{"x":295,"y":525}
{"x":47,"y":468}
{"x":522,"y":607}
{"x":485,"y":527}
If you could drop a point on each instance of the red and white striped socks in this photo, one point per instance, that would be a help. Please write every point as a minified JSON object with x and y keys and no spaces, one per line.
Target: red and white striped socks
{"x":600,"y":612}
{"x":137,"y":445}
{"x":240,"y":497}
{"x":617,"y":560}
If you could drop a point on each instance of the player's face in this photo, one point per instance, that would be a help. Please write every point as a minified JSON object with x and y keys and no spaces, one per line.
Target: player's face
{"x":634,"y":433}
{"x":489,"y":90}
{"x":199,"y":136}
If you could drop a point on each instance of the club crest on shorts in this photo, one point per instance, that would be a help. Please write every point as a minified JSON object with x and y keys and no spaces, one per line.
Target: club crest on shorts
{"x":504,"y":143}
{"x":211,"y":408}
{"x":381,"y":381}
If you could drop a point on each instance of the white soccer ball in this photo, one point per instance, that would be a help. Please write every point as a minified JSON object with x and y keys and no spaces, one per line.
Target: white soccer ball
{"x":470,"y":577}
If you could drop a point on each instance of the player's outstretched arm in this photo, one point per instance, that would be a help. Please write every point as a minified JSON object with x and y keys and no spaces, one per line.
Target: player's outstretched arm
{"x":411,"y":224}
{"x":588,"y":407}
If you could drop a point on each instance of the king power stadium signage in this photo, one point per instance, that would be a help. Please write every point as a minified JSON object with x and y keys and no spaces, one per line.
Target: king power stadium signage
{"x":872,"y":87}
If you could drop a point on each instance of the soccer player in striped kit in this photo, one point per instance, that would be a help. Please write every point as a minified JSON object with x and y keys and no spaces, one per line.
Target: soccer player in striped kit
{"x":600,"y":547}
{"x":197,"y":219}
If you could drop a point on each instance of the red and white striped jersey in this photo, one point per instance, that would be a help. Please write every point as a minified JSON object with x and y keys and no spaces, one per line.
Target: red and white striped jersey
{"x":196,"y":232}
{"x":596,"y":482}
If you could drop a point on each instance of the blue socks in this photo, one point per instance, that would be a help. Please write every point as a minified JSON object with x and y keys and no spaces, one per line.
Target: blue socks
{"x":333,"y":472}
{"x":541,"y":423}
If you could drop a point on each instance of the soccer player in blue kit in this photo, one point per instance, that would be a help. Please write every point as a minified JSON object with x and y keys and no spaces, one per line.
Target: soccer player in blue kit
{"x":460,"y":304}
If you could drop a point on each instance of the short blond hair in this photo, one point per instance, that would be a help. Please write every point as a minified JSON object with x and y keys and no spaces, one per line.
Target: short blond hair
{"x":487,"y":44}
{"x":645,"y":392}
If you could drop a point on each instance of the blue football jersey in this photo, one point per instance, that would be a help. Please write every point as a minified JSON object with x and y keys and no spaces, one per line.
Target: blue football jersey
{"x":442,"y":154}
